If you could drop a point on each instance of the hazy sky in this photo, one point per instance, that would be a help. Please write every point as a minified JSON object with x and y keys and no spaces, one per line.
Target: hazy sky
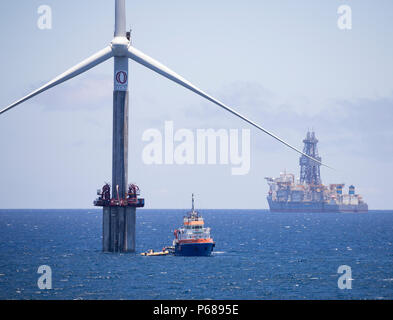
{"x":285,"y":64}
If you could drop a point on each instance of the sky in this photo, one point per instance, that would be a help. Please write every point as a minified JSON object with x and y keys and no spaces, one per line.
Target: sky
{"x":285,"y":64}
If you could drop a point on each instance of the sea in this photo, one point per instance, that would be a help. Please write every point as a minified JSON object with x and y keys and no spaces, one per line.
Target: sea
{"x":258,"y":255}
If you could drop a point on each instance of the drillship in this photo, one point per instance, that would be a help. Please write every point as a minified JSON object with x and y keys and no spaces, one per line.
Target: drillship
{"x":193,"y":239}
{"x":308,"y":194}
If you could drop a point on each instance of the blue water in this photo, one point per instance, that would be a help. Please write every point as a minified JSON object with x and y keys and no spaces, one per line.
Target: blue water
{"x":258,"y":255}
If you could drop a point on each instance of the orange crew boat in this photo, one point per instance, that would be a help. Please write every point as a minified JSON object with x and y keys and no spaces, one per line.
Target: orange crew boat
{"x":193,"y":239}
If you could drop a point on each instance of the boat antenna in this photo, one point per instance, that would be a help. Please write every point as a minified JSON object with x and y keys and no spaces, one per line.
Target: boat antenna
{"x":193,"y":203}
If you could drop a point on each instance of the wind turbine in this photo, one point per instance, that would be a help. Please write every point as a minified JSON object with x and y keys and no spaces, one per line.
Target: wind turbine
{"x":119,"y":221}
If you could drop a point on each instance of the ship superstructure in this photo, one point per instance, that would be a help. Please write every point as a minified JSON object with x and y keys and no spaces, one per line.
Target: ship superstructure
{"x":308,"y":194}
{"x":193,"y":239}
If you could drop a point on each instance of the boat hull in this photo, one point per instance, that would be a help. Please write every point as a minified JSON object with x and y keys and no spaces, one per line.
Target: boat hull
{"x":194,"y":249}
{"x":314,"y":206}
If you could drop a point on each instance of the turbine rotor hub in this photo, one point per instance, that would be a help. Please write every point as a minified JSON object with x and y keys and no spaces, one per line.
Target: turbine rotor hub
{"x":120,"y":46}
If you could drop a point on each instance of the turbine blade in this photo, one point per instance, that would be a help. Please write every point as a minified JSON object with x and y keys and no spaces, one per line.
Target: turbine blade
{"x":156,"y":66}
{"x":85,"y":65}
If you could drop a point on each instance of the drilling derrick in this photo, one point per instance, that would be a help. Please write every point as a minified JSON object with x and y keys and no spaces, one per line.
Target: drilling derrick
{"x":310,"y":170}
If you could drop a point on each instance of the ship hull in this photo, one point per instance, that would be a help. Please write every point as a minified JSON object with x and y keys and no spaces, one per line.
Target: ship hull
{"x":194,"y":249}
{"x":315,"y":206}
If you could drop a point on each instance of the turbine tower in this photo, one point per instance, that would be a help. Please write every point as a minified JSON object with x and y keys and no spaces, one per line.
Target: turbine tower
{"x":119,"y":217}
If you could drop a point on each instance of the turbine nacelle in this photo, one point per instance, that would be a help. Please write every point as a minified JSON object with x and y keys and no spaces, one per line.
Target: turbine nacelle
{"x":120,"y":46}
